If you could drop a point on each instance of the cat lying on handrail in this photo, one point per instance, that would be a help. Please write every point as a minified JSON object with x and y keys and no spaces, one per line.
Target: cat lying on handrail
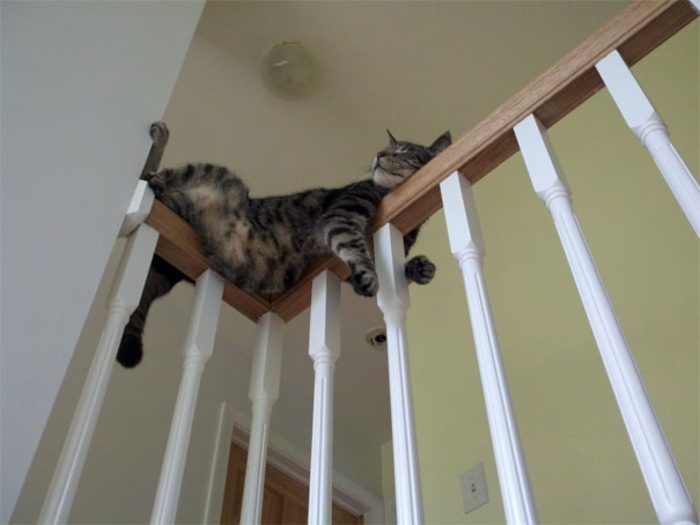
{"x":264,"y":245}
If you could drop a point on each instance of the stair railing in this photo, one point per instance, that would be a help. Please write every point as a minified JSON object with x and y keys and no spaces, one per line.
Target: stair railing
{"x":520,"y":123}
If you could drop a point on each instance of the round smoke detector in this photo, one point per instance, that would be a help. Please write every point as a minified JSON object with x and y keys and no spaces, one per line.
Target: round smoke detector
{"x":376,"y":338}
{"x":290,"y":71}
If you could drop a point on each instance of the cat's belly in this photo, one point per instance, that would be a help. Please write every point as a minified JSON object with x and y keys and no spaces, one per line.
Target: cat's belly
{"x":259,"y":262}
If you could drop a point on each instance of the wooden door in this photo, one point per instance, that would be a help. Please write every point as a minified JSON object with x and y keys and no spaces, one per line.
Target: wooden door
{"x":285,"y":500}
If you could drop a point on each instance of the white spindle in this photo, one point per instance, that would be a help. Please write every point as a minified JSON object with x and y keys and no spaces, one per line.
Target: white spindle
{"x":197,"y":350}
{"x":263,"y":392}
{"x":648,"y":126}
{"x":139,"y":208}
{"x":324,"y":349}
{"x":696,"y":5}
{"x":664,"y":482}
{"x":393,"y":300}
{"x":124,"y":298}
{"x":468,"y":248}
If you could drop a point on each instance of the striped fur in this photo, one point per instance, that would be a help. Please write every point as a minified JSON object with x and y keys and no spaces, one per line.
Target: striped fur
{"x":264,"y":245}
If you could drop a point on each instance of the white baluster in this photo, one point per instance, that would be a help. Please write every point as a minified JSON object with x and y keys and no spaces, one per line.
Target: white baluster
{"x":467,"y":246}
{"x":197,"y":349}
{"x":324,"y":349}
{"x":139,"y":208}
{"x":696,"y":5}
{"x":664,"y":482}
{"x":393,"y":301}
{"x":263,"y":392}
{"x":124,"y":298}
{"x":648,"y":126}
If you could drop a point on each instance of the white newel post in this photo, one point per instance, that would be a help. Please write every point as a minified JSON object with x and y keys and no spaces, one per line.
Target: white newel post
{"x":664,"y":482}
{"x":324,"y":349}
{"x":197,"y":349}
{"x":393,"y":300}
{"x":647,"y":125}
{"x":263,"y":392}
{"x":467,"y":246}
{"x":124,"y":298}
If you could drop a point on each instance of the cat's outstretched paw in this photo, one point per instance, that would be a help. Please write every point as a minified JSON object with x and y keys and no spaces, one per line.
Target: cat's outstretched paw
{"x":364,"y":282}
{"x":159,"y":133}
{"x":420,"y":269}
{"x":156,"y":181}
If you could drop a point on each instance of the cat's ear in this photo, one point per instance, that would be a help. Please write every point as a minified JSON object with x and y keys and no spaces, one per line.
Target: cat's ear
{"x":441,"y":143}
{"x":392,"y":140}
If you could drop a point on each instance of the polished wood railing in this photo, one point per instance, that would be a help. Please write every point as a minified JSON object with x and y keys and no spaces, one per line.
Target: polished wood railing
{"x":634,"y":32}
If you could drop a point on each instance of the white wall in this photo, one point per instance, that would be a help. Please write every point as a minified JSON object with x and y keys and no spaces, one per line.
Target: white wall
{"x":81,"y":81}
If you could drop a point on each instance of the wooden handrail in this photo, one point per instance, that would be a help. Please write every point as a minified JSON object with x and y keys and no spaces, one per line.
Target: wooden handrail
{"x":634,"y":32}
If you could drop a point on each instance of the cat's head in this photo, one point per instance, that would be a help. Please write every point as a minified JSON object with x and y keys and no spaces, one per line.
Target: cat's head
{"x":401,"y":159}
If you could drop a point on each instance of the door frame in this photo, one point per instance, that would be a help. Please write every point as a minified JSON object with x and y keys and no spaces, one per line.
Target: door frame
{"x":234,"y":426}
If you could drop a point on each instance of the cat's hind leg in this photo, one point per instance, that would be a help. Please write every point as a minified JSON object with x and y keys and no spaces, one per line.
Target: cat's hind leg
{"x":162,"y":277}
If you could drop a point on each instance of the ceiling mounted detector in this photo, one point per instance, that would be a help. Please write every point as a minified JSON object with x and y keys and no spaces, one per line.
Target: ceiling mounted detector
{"x":290,"y":71}
{"x":376,"y":338}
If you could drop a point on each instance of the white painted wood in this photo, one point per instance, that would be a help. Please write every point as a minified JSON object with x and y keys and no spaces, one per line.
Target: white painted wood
{"x":196,"y":350}
{"x":393,"y":301}
{"x":139,"y":208}
{"x":295,"y":463}
{"x":324,"y":350}
{"x":663,"y":479}
{"x":124,"y":298}
{"x":467,"y":246}
{"x":696,"y":5}
{"x":218,"y":468}
{"x":263,"y":392}
{"x":647,"y":125}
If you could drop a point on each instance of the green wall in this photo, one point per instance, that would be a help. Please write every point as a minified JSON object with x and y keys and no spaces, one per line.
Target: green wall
{"x":581,"y":465}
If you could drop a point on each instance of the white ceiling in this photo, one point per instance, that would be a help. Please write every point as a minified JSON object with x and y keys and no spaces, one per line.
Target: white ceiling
{"x":417,"y":68}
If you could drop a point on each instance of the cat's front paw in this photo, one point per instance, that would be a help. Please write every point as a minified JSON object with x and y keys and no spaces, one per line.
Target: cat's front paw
{"x":364,"y":282}
{"x":420,"y":269}
{"x":157,"y":182}
{"x":159,"y":133}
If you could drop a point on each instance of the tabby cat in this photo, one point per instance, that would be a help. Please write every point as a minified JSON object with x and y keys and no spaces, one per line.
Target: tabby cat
{"x":264,"y":245}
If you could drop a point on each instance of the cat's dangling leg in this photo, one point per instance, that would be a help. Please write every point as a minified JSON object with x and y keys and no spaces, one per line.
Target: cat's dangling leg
{"x":347,"y":241}
{"x":363,"y":277}
{"x":419,"y":269}
{"x":162,"y":277}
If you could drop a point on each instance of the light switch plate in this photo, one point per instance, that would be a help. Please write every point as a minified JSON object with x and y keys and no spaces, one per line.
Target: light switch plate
{"x":474,"y":488}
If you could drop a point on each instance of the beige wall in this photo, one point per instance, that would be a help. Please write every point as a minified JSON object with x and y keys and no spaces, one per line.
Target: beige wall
{"x":581,"y":466}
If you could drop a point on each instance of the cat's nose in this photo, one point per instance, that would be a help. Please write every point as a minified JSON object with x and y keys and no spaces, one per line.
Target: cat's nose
{"x":381,"y":154}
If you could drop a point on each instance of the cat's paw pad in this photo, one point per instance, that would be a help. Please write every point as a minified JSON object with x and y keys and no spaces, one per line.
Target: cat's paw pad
{"x":364,"y":282}
{"x":420,"y":269}
{"x":156,"y":181}
{"x":159,"y":132}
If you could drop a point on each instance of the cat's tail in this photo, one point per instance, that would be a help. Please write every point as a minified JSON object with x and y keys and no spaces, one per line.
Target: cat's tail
{"x":162,"y":277}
